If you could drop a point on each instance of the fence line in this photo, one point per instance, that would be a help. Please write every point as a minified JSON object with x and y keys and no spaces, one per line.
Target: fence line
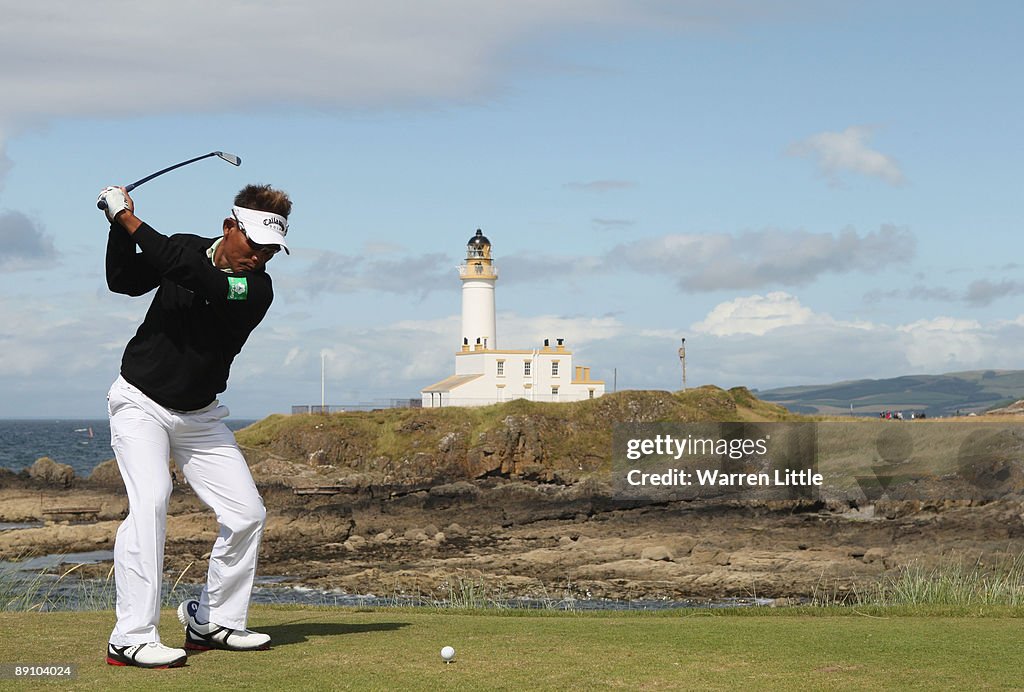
{"x":372,"y":406}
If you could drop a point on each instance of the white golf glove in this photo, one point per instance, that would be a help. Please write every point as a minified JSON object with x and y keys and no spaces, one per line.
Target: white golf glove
{"x":112,"y":201}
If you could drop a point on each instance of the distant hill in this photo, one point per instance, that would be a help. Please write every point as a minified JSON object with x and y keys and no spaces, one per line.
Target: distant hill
{"x":935,"y":395}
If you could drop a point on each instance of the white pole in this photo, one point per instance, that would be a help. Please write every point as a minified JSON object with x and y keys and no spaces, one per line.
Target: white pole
{"x":322,"y":390}
{"x":682,"y":360}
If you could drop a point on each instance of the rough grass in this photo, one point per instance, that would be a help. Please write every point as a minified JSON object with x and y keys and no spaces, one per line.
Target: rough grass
{"x":399,"y":649}
{"x":68,"y":589}
{"x":953,"y":584}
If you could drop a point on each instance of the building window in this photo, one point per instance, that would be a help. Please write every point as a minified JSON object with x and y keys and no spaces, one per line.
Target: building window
{"x":501,"y":368}
{"x":526,"y":368}
{"x":591,"y":393}
{"x":554,"y":391}
{"x":554,"y":368}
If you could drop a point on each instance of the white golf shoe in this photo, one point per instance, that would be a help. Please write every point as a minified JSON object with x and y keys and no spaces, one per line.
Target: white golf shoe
{"x":150,"y":655}
{"x":202,"y":636}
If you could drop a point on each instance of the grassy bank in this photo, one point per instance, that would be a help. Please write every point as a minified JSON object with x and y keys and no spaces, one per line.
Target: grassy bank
{"x":398,"y":649}
{"x":456,"y":442}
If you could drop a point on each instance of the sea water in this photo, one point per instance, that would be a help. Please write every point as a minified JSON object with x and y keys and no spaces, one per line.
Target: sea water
{"x":82,"y":444}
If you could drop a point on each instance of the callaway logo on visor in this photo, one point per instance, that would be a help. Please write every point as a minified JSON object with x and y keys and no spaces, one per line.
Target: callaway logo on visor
{"x":278,"y":226}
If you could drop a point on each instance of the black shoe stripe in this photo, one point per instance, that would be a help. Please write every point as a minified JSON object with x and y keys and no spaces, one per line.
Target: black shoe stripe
{"x":203,"y":638}
{"x":121,"y":651}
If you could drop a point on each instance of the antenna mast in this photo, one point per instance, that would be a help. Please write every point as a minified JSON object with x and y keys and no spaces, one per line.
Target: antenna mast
{"x":682,"y":361}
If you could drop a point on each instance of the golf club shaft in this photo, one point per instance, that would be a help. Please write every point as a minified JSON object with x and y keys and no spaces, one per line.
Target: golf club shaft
{"x":132,"y":186}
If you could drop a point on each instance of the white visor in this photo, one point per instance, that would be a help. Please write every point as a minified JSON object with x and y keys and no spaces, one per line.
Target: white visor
{"x":262,"y":227}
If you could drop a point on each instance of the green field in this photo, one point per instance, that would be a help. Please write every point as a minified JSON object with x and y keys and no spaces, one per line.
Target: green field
{"x":937,"y":395}
{"x":821,"y":648}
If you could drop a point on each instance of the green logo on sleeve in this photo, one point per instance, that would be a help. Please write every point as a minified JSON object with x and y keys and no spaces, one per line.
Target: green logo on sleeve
{"x":238,"y":288}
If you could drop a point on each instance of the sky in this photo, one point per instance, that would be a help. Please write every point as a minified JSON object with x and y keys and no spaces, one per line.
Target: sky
{"x":806,"y":191}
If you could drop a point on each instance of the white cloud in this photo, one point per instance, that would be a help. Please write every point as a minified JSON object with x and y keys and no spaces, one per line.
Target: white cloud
{"x":398,"y":273}
{"x":762,"y":341}
{"x":532,"y":268}
{"x":916,"y":292}
{"x":523,"y":332}
{"x":944,"y":343}
{"x":66,"y":58}
{"x":748,"y":260}
{"x":60,"y":353}
{"x":848,"y":151}
{"x":42,"y":337}
{"x":758,"y":259}
{"x":978,"y":293}
{"x":23,"y":244}
{"x":756,"y":315}
{"x":62,"y":365}
{"x":983,"y":291}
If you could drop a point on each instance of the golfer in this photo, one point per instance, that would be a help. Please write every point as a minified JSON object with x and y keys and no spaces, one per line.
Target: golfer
{"x":210,"y":294}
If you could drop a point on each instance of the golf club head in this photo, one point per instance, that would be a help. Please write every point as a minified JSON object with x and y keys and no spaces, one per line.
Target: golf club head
{"x":230,"y":158}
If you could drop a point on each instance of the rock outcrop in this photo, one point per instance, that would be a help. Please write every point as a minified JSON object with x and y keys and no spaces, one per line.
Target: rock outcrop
{"x":48,"y":471}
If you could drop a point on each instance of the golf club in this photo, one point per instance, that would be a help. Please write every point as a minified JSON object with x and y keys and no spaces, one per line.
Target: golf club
{"x":230,"y":158}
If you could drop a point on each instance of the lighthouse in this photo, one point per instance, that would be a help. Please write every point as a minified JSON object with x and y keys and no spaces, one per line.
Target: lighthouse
{"x":485,"y":375}
{"x":478,"y":276}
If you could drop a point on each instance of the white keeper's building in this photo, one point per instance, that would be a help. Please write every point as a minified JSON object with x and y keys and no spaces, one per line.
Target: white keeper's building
{"x":485,"y":374}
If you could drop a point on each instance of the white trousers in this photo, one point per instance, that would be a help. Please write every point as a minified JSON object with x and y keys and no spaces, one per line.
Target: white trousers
{"x":145,"y":435}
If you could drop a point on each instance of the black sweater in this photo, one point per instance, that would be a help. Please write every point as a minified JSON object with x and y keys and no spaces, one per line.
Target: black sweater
{"x":198,"y":321}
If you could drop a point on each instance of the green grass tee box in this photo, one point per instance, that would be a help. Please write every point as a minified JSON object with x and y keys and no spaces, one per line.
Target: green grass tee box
{"x":400,"y":649}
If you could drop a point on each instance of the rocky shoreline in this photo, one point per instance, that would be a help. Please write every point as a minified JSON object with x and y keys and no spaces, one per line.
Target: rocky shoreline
{"x":512,"y":538}
{"x":515,"y":500}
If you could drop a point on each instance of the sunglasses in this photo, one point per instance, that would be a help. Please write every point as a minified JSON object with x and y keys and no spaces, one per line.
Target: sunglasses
{"x":265,"y":250}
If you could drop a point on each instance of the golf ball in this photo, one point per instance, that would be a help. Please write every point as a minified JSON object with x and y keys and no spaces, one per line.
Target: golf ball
{"x":447,"y":653}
